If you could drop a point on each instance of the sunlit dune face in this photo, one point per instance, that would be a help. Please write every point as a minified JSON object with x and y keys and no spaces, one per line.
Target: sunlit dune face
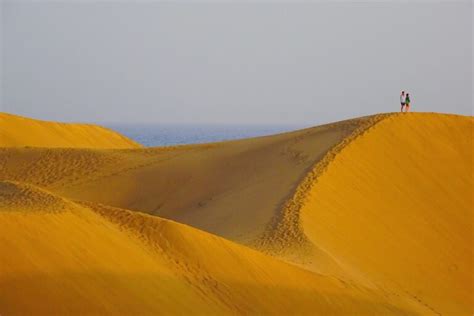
{"x":370,"y":216}
{"x":396,"y":205}
{"x":19,"y":131}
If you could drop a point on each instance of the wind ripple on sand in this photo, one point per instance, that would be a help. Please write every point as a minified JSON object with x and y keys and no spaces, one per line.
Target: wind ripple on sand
{"x":94,"y":259}
{"x":368,"y":214}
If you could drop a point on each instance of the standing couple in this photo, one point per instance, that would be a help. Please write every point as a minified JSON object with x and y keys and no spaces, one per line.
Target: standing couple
{"x":405,"y":101}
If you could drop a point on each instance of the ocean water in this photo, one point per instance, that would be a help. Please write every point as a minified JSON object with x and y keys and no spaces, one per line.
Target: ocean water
{"x":151,"y":135}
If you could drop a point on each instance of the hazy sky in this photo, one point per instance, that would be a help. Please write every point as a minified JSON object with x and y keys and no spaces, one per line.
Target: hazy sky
{"x":236,"y":62}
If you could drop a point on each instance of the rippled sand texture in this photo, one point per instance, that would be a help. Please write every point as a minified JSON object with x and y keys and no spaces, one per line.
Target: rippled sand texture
{"x":370,"y":216}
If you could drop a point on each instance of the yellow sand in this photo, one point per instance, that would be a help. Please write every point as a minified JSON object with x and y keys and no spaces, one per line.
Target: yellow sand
{"x":18,"y":131}
{"x":230,"y":188}
{"x":371,"y":215}
{"x":61,"y":257}
{"x":396,"y":206}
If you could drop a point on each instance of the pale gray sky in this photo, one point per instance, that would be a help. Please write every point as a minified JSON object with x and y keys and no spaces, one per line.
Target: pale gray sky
{"x":236,"y":62}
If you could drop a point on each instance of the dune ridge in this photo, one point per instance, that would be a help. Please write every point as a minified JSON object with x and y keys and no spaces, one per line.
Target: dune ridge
{"x":200,"y":185}
{"x":24,"y":197}
{"x":285,"y":232}
{"x":371,"y":216}
{"x":417,"y":212}
{"x":110,"y":260}
{"x":18,"y":131}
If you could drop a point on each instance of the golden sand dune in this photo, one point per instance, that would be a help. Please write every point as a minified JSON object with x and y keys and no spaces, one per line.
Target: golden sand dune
{"x":232,"y":189}
{"x":376,"y":210}
{"x":63,"y":257}
{"x":393,"y":207}
{"x":396,"y":208}
{"x":18,"y":131}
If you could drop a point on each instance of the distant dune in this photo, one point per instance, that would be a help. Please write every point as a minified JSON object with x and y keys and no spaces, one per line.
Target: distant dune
{"x":17,"y":131}
{"x":370,"y":216}
{"x":232,"y":189}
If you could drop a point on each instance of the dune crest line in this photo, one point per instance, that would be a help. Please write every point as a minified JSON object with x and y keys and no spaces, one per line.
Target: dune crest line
{"x":284,"y":233}
{"x":367,"y":216}
{"x":96,"y":259}
{"x":19,"y":131}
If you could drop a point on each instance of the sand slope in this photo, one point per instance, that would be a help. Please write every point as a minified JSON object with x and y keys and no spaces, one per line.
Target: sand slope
{"x":372,"y":216}
{"x":393,"y":207}
{"x":396,"y":206}
{"x":232,"y":189}
{"x":57,"y":256}
{"x":17,"y":131}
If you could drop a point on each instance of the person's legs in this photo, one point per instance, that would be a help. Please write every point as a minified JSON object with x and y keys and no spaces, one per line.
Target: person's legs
{"x":402,"y":106}
{"x":407,"y":107}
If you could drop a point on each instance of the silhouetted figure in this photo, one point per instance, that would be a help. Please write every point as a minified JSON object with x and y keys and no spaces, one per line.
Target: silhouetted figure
{"x":402,"y":101}
{"x":407,"y":103}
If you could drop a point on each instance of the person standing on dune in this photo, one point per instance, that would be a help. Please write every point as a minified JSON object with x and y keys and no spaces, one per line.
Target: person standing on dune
{"x":402,"y":101}
{"x":407,"y":102}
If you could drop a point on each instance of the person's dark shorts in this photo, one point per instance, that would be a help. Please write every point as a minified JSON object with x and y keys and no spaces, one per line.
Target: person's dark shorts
{"x":403,"y":103}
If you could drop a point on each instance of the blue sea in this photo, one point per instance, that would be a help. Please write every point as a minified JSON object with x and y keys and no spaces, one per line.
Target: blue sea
{"x":151,"y":135}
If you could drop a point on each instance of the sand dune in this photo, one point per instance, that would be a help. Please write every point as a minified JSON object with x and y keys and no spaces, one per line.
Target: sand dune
{"x":232,"y":189}
{"x":396,"y":206}
{"x":393,"y":207}
{"x":72,"y":258}
{"x":18,"y":131}
{"x":372,"y":216}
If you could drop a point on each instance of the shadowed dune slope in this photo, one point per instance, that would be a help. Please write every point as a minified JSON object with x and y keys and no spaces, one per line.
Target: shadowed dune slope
{"x":232,"y":189}
{"x":376,"y":212}
{"x":17,"y":131}
{"x":57,"y":256}
{"x":394,"y":208}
